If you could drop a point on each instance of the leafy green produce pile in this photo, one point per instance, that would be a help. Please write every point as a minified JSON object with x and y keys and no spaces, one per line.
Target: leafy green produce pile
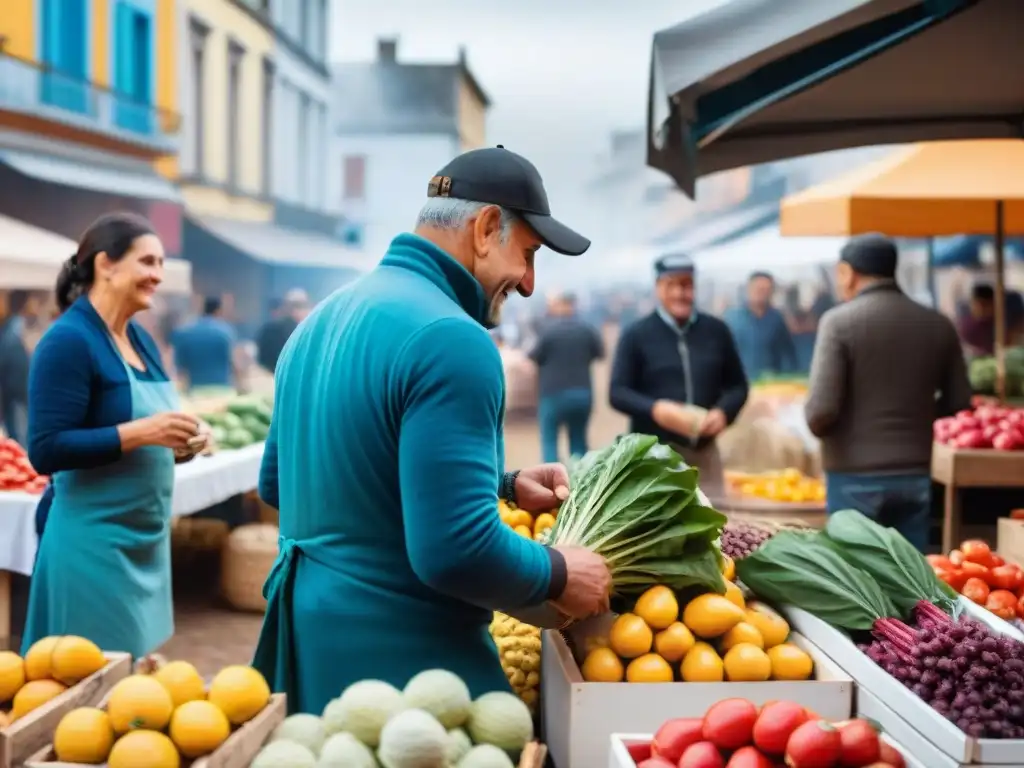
{"x":982,"y":373}
{"x":636,"y":502}
{"x":245,"y":421}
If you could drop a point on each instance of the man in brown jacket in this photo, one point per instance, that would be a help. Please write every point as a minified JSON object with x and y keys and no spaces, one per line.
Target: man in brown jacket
{"x":884,"y":369}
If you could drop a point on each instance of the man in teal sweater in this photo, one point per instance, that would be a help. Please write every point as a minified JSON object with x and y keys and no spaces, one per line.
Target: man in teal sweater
{"x":385,"y":456}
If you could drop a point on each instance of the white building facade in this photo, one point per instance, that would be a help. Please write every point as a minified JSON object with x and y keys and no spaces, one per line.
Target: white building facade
{"x":395,"y":125}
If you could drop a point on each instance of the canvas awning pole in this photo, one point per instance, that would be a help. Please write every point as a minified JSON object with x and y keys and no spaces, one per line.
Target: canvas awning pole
{"x":1000,"y":303}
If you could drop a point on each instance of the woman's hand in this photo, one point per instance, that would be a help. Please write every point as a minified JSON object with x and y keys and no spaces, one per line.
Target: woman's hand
{"x":169,"y":430}
{"x":196,"y":445}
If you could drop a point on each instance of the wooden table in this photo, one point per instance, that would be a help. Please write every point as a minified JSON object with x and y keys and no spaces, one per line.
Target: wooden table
{"x":956,"y":469}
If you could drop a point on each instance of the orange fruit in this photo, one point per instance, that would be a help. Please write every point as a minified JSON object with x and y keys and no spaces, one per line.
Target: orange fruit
{"x":728,"y":568}
{"x":149,"y":748}
{"x":734,"y":595}
{"x":746,"y":663}
{"x":649,"y":668}
{"x":602,"y":666}
{"x":34,"y":694}
{"x":544,"y":521}
{"x":83,"y":735}
{"x":524,"y":531}
{"x":198,"y":728}
{"x":790,"y":662}
{"x":702,"y":665}
{"x":773,"y":628}
{"x":139,"y":701}
{"x":241,"y":692}
{"x":74,"y":658}
{"x":12,"y":674}
{"x":658,"y":607}
{"x":630,"y":636}
{"x":182,"y":681}
{"x":37,"y":660}
{"x":673,"y":642}
{"x":742,"y":633}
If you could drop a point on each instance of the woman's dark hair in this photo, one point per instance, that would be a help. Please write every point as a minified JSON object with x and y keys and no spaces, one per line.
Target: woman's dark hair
{"x":112,"y":234}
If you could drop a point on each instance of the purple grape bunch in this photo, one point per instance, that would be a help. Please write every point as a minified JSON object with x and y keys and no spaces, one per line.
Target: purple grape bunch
{"x":742,"y":539}
{"x":965,"y":672}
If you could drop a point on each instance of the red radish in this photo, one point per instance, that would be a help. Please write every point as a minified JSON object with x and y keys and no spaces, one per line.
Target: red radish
{"x":775,"y":724}
{"x":656,"y":762}
{"x":748,"y":757}
{"x":887,"y":753}
{"x":703,"y":754}
{"x":639,"y":752}
{"x":675,"y":736}
{"x":859,"y":744}
{"x":729,"y":724}
{"x":813,"y":745}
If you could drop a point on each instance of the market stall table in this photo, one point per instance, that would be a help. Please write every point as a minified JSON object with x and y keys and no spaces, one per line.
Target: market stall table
{"x":810,"y":513}
{"x":198,"y":485}
{"x":956,"y":469}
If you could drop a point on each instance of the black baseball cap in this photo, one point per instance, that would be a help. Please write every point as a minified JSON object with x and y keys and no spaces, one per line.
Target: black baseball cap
{"x":673,"y":264}
{"x":499,"y":177}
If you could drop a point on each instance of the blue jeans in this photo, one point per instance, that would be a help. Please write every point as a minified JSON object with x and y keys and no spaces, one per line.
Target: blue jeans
{"x":902,"y":502}
{"x":570,"y":409}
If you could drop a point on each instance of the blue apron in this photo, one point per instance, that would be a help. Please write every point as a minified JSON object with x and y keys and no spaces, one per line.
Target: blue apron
{"x":103,"y":571}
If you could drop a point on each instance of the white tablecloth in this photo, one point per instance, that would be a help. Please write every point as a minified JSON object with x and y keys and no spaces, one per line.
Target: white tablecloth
{"x":203,"y":482}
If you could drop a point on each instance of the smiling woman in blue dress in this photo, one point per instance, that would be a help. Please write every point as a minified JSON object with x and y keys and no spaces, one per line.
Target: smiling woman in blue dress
{"x":103,"y":422}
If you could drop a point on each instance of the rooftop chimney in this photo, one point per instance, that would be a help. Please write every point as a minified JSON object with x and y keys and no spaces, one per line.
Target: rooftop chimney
{"x":387,"y":49}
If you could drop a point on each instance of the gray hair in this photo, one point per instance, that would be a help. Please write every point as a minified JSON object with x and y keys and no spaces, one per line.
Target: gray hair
{"x":449,"y":213}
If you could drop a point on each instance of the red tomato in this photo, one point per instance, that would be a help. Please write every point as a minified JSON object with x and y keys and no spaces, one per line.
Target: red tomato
{"x":975,"y":590}
{"x":775,"y":724}
{"x":859,"y":744}
{"x":675,"y":735}
{"x":974,"y":570}
{"x":997,"y":560}
{"x":729,"y":724}
{"x":703,"y":754}
{"x":813,"y":745}
{"x":956,"y":557}
{"x":748,"y":757}
{"x":889,"y":755}
{"x":1006,"y":577}
{"x":977,"y":551}
{"x":954,"y":578}
{"x":656,"y":762}
{"x":941,"y":562}
{"x":1002,"y":603}
{"x":639,"y":752}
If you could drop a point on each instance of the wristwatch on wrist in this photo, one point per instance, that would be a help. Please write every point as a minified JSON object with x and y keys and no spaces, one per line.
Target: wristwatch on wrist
{"x":507,"y":490}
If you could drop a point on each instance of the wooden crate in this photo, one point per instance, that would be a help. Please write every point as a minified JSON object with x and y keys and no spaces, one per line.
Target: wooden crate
{"x":28,"y":734}
{"x":238,"y":751}
{"x":984,"y":468}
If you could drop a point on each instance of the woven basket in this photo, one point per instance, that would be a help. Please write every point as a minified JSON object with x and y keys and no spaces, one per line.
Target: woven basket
{"x":248,"y":556}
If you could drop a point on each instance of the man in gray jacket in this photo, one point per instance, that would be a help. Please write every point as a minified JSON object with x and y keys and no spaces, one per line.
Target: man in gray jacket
{"x":884,"y":369}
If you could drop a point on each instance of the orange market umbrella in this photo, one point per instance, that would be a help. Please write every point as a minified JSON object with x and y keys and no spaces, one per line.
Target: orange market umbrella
{"x":924,"y":190}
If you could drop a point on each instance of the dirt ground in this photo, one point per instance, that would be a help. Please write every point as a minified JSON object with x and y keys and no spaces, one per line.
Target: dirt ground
{"x":210,"y":635}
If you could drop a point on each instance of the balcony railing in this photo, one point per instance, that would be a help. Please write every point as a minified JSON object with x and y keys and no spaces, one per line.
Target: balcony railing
{"x":34,"y":88}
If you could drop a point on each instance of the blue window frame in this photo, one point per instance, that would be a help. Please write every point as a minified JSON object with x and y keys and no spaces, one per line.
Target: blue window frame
{"x":64,"y":82}
{"x":133,"y":68}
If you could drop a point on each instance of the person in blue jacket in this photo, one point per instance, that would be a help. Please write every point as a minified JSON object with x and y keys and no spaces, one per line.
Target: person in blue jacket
{"x":103,"y":422}
{"x":385,"y":456}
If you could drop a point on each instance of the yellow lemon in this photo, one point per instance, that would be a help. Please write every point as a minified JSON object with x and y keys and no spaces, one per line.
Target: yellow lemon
{"x":74,"y":658}
{"x":12,"y":674}
{"x":658,"y":607}
{"x":149,"y":748}
{"x":649,"y":668}
{"x":746,"y":663}
{"x":182,"y":681}
{"x":773,"y":628}
{"x":630,"y":636}
{"x":790,"y":662}
{"x":742,"y":633}
{"x":34,"y":694}
{"x":83,"y":735}
{"x":711,"y":615}
{"x":241,"y":692}
{"x":198,"y":728}
{"x":673,"y":642}
{"x":37,"y":660}
{"x":139,"y":701}
{"x":702,"y":665}
{"x":602,"y":666}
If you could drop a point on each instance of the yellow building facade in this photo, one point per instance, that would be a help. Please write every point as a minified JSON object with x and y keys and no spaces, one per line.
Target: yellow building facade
{"x":226,"y":55}
{"x":111,"y":65}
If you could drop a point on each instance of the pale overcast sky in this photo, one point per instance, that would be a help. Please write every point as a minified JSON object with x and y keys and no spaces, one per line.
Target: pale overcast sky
{"x":562,"y":73}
